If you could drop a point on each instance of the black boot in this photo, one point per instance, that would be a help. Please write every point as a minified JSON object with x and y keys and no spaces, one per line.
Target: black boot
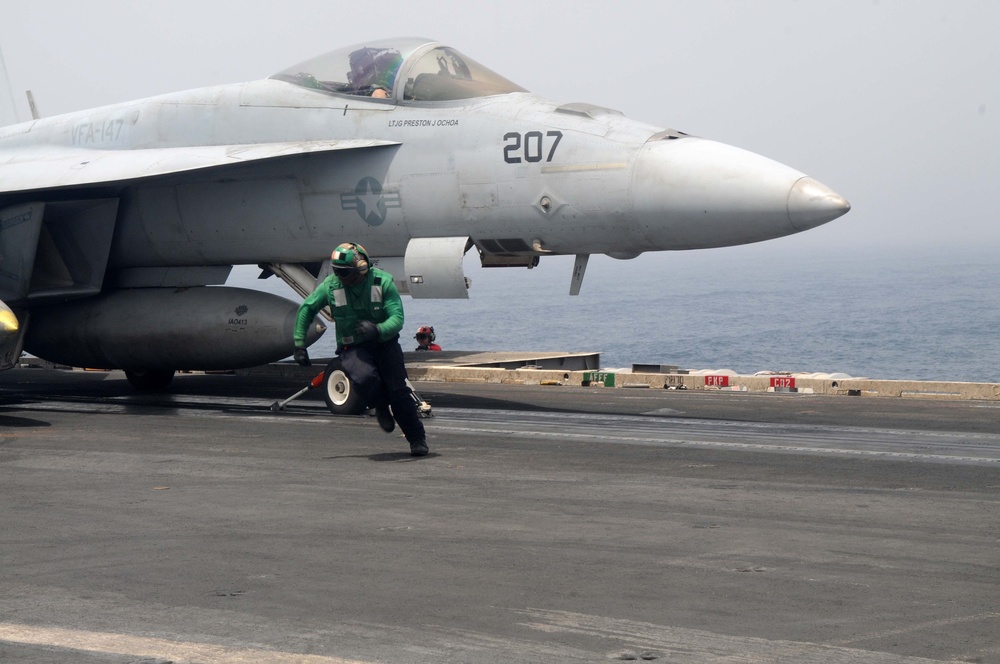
{"x":419,"y":448}
{"x":384,"y":418}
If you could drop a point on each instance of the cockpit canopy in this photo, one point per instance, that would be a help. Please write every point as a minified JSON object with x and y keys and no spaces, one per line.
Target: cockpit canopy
{"x":406,"y":69}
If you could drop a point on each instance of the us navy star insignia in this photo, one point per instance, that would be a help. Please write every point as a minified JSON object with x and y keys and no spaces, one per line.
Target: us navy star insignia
{"x":370,"y":200}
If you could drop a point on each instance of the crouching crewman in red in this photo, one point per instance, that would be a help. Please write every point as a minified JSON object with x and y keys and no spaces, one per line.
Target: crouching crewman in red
{"x":368,"y":314}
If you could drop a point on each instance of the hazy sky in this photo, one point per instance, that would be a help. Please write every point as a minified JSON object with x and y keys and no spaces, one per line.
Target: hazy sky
{"x":895,"y":105}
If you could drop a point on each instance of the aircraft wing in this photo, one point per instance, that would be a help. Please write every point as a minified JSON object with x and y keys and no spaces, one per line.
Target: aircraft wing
{"x":50,"y":167}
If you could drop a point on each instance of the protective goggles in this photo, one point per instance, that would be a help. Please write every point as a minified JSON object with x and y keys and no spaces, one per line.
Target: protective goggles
{"x":345,"y":271}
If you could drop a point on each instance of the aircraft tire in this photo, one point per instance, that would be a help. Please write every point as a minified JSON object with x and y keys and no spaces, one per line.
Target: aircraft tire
{"x":340,"y":396}
{"x":149,"y":381}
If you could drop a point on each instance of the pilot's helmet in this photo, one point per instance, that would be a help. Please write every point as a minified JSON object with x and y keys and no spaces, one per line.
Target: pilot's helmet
{"x":350,"y":262}
{"x":425,"y":331}
{"x":373,"y":67}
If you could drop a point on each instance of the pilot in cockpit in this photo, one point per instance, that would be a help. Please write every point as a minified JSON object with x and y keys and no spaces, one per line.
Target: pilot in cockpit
{"x":373,"y":71}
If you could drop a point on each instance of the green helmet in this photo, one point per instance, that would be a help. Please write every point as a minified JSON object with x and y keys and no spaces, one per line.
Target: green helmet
{"x":350,"y":260}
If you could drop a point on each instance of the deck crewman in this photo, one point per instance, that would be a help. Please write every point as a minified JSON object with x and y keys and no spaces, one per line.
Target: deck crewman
{"x":368,"y":315}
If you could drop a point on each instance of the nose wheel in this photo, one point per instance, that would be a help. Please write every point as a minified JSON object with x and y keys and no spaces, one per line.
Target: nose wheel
{"x":342,"y":399}
{"x":338,"y":392}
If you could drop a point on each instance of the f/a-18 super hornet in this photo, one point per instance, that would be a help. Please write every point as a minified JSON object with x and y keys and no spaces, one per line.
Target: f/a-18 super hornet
{"x":118,"y":225}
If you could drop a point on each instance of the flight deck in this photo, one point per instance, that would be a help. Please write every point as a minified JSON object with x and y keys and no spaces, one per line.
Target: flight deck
{"x":548,"y":523}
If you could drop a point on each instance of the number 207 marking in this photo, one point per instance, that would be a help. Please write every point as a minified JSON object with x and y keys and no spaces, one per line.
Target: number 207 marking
{"x":530,"y":146}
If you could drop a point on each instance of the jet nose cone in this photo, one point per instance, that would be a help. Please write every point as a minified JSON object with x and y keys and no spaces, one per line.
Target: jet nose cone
{"x":811,"y":203}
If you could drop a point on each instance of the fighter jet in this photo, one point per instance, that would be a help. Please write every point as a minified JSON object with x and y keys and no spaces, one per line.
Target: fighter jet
{"x":119,"y":225}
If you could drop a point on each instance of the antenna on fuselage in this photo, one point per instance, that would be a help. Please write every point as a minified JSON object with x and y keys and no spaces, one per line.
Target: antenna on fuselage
{"x":31,"y":105}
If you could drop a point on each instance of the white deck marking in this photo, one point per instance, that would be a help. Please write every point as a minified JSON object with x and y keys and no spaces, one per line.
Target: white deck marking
{"x":141,"y":646}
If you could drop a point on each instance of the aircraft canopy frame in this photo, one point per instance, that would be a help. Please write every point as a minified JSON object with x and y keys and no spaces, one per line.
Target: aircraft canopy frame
{"x":403,"y":69}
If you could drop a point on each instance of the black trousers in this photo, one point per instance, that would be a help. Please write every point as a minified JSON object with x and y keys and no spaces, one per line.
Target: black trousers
{"x":377,"y":371}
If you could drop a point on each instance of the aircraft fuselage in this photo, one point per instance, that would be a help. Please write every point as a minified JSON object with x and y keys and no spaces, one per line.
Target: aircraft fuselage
{"x":515,"y":169}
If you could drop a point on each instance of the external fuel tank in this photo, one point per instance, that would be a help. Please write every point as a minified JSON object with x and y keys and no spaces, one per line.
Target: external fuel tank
{"x":203,"y":328}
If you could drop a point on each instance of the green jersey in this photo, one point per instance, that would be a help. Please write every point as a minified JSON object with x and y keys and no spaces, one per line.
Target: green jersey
{"x":375,"y":299}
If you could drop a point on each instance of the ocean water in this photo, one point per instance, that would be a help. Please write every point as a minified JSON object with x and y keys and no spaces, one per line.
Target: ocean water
{"x":900,"y":313}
